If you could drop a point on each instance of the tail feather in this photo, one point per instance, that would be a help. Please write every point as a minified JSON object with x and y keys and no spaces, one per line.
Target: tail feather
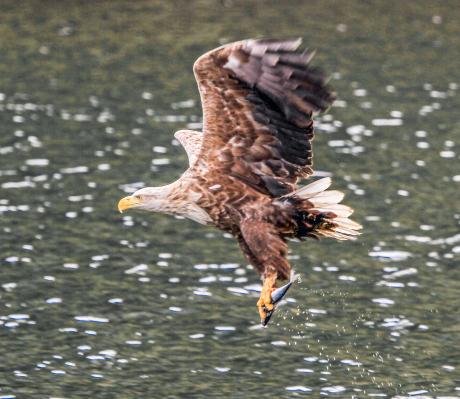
{"x":348,"y":223}
{"x":335,"y":234}
{"x":311,"y":190}
{"x":339,"y":210}
{"x":320,"y":213}
{"x":325,"y":198}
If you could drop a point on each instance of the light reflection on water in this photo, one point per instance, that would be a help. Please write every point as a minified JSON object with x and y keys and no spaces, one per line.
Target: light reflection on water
{"x":97,"y":304}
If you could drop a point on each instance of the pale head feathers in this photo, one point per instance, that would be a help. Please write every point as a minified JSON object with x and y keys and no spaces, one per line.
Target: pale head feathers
{"x":154,"y":199}
{"x":172,"y":199}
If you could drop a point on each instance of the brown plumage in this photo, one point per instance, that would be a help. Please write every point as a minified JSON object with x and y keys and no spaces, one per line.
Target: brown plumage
{"x":258,"y":98}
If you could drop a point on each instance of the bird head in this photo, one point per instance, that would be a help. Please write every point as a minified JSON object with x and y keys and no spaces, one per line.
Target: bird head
{"x":149,"y":198}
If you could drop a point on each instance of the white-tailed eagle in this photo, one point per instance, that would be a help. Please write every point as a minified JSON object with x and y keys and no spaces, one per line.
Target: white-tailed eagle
{"x":258,"y":99}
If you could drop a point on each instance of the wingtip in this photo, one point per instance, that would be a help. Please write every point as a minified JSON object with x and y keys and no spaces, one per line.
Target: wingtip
{"x":273,"y":44}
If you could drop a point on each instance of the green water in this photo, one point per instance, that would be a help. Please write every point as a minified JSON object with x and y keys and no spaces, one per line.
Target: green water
{"x":94,"y":304}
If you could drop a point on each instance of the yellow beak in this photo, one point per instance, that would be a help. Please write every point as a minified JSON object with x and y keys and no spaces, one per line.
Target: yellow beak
{"x":127,"y":202}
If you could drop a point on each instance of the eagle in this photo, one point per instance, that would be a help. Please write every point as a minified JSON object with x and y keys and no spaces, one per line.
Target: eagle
{"x":259,"y":97}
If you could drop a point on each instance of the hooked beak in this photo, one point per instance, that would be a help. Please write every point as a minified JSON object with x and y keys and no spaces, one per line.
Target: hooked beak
{"x":276,"y":296}
{"x":128,"y":202}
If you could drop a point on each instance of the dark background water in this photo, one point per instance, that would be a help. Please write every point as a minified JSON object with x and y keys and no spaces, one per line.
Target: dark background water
{"x":94,"y":304}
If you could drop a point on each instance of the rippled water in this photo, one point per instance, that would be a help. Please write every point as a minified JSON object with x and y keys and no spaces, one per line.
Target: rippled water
{"x":98,"y":304}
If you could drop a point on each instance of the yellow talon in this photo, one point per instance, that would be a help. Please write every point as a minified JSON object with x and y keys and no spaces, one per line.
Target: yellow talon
{"x":264,"y":304}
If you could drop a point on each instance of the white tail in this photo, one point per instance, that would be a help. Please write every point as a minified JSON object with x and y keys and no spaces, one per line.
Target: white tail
{"x":309,"y":191}
{"x":322,"y":201}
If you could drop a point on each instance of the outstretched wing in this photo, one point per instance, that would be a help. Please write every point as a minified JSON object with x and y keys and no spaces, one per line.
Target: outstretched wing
{"x":264,"y":248}
{"x":258,"y":98}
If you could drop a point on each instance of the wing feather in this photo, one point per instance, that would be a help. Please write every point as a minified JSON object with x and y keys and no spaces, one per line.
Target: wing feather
{"x":258,"y":98}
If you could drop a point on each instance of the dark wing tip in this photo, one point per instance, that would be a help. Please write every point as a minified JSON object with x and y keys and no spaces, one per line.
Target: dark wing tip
{"x":280,"y":70}
{"x":274,"y":45}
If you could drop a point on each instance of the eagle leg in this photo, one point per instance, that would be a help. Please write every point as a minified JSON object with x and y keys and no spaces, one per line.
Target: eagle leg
{"x":265,"y":303}
{"x":266,"y":249}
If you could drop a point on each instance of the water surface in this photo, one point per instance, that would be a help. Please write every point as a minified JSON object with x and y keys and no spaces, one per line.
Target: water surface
{"x":94,"y":304}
